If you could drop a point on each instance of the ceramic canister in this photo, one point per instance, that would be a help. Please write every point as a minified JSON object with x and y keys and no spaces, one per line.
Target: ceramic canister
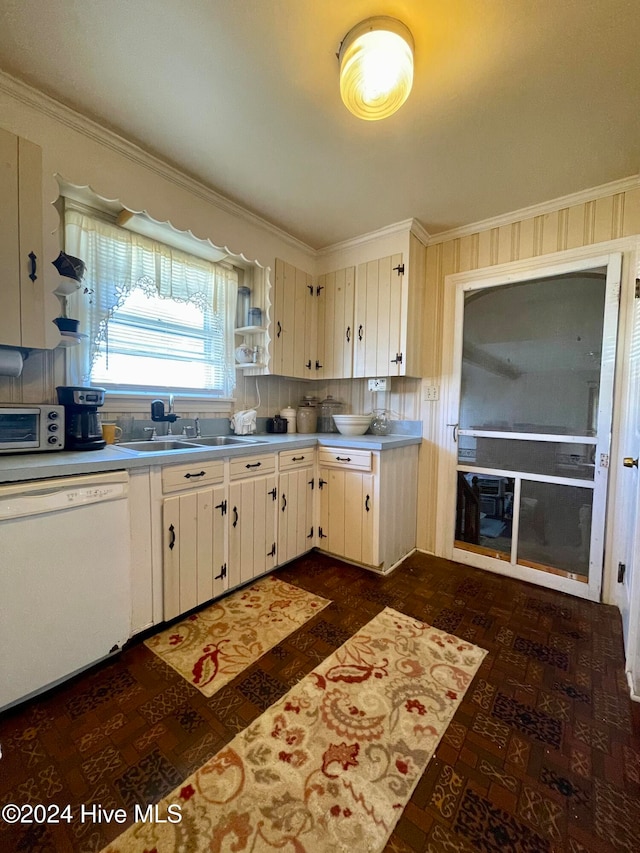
{"x":289,"y":414}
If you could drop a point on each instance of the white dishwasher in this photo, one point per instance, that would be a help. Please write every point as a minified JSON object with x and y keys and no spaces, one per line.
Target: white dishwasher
{"x":64,"y":578}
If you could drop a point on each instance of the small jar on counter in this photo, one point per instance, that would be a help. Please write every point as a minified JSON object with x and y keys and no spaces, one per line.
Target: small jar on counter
{"x":307,"y":418}
{"x":326,"y":410}
{"x":289,"y":414}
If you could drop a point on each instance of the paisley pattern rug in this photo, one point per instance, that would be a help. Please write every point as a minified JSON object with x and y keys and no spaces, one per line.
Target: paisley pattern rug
{"x":330,"y":766}
{"x":211,"y":647}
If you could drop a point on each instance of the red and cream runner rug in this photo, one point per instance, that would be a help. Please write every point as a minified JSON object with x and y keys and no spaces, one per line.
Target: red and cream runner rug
{"x":330,"y":766}
{"x":211,"y":647}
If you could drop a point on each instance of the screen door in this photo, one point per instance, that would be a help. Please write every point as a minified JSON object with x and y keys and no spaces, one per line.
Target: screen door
{"x":536,"y":363}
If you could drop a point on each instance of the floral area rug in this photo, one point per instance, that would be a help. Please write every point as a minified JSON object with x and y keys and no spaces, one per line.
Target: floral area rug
{"x":211,"y":647}
{"x":330,"y":766}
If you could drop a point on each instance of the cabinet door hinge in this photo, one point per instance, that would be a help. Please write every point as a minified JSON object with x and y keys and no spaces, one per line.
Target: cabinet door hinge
{"x":310,"y":288}
{"x":318,"y":365}
{"x":272,"y":552}
{"x":321,"y":483}
{"x":312,"y":483}
{"x":223,"y":572}
{"x":310,"y":535}
{"x":222,"y":507}
{"x":273,"y":493}
{"x":397,"y":359}
{"x":322,"y":535}
{"x":319,"y":287}
{"x":399,"y":269}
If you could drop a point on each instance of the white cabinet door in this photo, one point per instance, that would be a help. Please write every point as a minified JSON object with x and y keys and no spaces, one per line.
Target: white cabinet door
{"x":335,"y":324}
{"x":295,"y":514}
{"x":348,"y":515}
{"x":378,"y":318}
{"x":21,"y":240}
{"x":293,"y":326}
{"x":252,"y":512}
{"x":193,"y":549}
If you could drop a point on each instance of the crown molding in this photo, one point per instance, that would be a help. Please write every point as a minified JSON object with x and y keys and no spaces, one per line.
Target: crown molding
{"x":63,"y":114}
{"x":406,"y":226}
{"x":612,"y":188}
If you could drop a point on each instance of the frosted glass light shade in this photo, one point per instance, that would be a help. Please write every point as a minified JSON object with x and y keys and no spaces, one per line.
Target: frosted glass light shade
{"x":376,"y":67}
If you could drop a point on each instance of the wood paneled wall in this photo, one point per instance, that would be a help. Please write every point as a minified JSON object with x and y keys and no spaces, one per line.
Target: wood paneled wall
{"x":596,"y":221}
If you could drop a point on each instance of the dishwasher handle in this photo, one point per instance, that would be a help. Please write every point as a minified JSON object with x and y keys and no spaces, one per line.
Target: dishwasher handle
{"x":21,"y":501}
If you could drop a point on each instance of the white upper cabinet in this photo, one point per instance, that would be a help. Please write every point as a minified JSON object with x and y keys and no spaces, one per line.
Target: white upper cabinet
{"x":335,"y":299}
{"x":26,"y":274}
{"x":354,"y":322}
{"x":293,"y":324}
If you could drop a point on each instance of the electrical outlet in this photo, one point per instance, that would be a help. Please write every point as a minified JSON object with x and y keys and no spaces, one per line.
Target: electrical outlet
{"x":377,"y":384}
{"x":430,"y":393}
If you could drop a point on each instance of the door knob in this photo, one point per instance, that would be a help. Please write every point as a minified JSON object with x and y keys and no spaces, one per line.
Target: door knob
{"x":630,"y":462}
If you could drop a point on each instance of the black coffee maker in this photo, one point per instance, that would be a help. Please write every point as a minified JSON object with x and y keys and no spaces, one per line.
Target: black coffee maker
{"x":83,"y":429}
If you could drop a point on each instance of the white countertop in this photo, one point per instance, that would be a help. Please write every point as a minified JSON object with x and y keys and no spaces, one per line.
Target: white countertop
{"x":36,"y":466}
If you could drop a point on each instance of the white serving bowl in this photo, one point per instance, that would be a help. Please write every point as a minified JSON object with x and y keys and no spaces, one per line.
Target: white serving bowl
{"x":352,"y":424}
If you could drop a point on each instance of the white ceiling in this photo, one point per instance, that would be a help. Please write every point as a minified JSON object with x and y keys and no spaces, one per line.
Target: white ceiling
{"x":515,"y":102}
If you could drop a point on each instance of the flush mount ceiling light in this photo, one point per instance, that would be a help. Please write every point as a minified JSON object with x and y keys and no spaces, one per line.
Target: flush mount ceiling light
{"x":376,"y":67}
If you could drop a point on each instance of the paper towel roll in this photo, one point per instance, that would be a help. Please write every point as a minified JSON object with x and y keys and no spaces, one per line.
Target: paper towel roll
{"x":10,"y":362}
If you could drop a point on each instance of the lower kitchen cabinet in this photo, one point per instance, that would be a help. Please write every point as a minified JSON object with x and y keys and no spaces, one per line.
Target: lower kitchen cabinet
{"x":252,"y":528}
{"x":252,"y":517}
{"x":347,"y":515}
{"x":194,"y":527}
{"x":368,"y":504}
{"x":295,"y":504}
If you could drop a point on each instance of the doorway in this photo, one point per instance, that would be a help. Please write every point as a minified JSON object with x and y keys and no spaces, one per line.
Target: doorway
{"x":534,"y":369}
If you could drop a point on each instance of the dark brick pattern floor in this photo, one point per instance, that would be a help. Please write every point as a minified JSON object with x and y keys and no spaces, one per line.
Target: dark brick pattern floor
{"x":542,"y":755}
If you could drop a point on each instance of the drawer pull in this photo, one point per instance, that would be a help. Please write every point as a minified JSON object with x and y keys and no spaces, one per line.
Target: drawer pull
{"x":297,"y":458}
{"x":343,"y":458}
{"x":253,"y":464}
{"x":199,"y":474}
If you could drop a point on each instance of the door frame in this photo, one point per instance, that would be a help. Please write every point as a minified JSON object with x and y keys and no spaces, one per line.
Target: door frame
{"x":539,"y":266}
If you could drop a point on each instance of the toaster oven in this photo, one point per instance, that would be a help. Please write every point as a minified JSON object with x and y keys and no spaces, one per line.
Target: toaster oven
{"x":31,"y":428}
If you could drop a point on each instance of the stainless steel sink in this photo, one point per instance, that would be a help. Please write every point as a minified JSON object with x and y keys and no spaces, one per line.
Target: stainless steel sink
{"x":154,"y":446}
{"x":221,"y":440}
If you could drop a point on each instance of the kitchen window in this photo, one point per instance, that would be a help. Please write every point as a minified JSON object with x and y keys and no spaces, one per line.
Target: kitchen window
{"x":155,"y":317}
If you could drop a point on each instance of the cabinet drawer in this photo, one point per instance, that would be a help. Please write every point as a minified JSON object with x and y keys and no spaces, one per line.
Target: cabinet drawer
{"x":249,"y":466}
{"x":288,"y":459}
{"x":175,"y":477}
{"x":341,"y":457}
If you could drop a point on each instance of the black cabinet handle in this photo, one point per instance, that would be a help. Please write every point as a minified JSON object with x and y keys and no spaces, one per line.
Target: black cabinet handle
{"x":279,"y":332}
{"x":284,"y":502}
{"x":235,"y":516}
{"x":32,"y":266}
{"x":253,"y":464}
{"x":343,"y":458}
{"x":172,"y":540}
{"x":366,"y":503}
{"x":297,"y":458}
{"x":360,"y":331}
{"x":348,"y":334}
{"x":199,"y":474}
